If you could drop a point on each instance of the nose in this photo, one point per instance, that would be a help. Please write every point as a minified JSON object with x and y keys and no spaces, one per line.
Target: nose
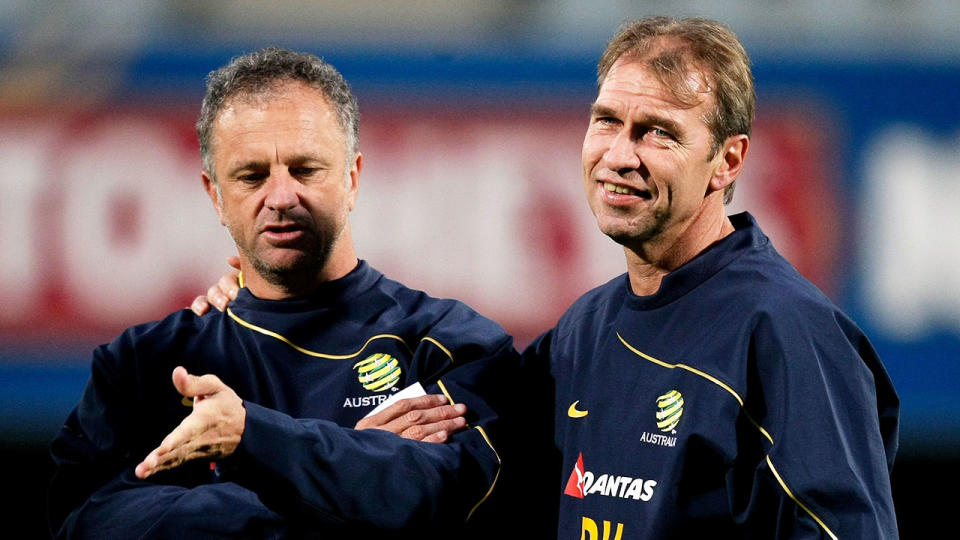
{"x":282,"y":192}
{"x":622,"y":153}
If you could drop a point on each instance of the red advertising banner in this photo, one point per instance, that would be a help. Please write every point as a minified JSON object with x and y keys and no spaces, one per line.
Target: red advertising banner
{"x":104,"y":224}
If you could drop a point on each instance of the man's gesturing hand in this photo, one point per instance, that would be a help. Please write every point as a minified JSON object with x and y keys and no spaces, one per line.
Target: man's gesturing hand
{"x":426,"y":418}
{"x":212,"y":430}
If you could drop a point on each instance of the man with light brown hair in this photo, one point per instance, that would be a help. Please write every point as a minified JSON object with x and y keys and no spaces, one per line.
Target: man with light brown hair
{"x":711,"y":389}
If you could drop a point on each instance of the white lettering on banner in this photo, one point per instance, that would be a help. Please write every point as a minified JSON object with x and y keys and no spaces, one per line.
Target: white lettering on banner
{"x":487,"y":208}
{"x":24,"y":156}
{"x":135,"y":221}
{"x":470,"y":209}
{"x":910,"y":230}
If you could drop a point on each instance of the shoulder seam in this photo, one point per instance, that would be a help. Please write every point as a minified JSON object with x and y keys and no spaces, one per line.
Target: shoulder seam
{"x":308,"y":352}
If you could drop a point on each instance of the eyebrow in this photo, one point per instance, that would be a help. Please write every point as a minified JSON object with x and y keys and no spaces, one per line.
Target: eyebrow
{"x":601,"y":110}
{"x":295,"y":161}
{"x":247,"y":166}
{"x":300,"y":159}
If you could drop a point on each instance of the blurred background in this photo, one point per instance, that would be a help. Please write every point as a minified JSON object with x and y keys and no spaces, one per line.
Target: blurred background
{"x":472,"y":118}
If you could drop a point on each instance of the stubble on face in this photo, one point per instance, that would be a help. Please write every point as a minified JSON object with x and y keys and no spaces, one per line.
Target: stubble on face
{"x":315,"y":248}
{"x":296,"y":266}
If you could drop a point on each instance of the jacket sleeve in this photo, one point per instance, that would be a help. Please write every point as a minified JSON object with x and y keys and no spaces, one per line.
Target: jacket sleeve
{"x":830,"y":414}
{"x":127,"y":507}
{"x":316,"y":470}
{"x":94,"y":493}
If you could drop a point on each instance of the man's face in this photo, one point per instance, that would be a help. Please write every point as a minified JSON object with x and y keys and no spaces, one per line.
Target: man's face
{"x":285,"y":185}
{"x":647,"y":159}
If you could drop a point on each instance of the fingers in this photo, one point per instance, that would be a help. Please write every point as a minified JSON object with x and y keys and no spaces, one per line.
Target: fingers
{"x":147,"y":467}
{"x":438,"y":437}
{"x":435,"y":432}
{"x":426,"y":418}
{"x":177,"y":449}
{"x":400,"y":408}
{"x":220,"y":293}
{"x":173,"y":450}
{"x":193,"y":386}
{"x":217,"y":298}
{"x":225,"y":289}
{"x":200,"y":305}
{"x":229,"y":284}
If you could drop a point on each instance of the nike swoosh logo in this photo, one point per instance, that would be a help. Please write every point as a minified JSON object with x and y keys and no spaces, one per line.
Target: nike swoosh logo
{"x":573,"y":412}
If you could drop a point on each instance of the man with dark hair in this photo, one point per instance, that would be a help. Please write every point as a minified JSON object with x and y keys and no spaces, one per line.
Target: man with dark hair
{"x":711,"y":391}
{"x":254,"y":436}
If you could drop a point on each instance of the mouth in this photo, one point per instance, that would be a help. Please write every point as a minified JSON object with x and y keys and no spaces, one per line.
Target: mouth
{"x":282,"y":233}
{"x":611,"y":189}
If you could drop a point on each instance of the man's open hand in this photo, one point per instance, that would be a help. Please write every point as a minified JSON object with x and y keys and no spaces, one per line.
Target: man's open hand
{"x":212,"y":430}
{"x":427,"y":418}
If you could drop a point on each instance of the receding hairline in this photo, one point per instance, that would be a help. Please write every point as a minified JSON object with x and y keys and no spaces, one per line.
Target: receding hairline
{"x":670,"y":47}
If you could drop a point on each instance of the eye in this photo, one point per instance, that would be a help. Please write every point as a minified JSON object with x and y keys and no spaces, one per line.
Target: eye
{"x":252,"y":178}
{"x":661,"y":133}
{"x":301,"y":172}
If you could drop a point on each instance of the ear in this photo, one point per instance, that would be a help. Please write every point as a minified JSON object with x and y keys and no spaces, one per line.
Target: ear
{"x":355,"y":169}
{"x":730,"y":162}
{"x":211,"y":187}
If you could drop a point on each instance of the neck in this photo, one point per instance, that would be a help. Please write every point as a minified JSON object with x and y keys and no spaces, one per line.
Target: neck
{"x":650,"y":261}
{"x":292,"y":286}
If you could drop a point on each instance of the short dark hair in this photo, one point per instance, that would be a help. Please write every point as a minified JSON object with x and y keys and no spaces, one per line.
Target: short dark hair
{"x":260,"y":72}
{"x":705,"y":45}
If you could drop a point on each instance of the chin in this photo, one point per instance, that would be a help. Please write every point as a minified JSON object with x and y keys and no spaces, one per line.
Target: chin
{"x":279,"y":270}
{"x":629,"y":235}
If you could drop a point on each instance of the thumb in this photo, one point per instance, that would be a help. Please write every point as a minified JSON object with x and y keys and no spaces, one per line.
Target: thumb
{"x":234,"y":261}
{"x":191,"y":385}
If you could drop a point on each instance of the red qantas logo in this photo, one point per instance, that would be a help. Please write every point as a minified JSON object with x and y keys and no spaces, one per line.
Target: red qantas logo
{"x":575,"y":483}
{"x":583,"y":482}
